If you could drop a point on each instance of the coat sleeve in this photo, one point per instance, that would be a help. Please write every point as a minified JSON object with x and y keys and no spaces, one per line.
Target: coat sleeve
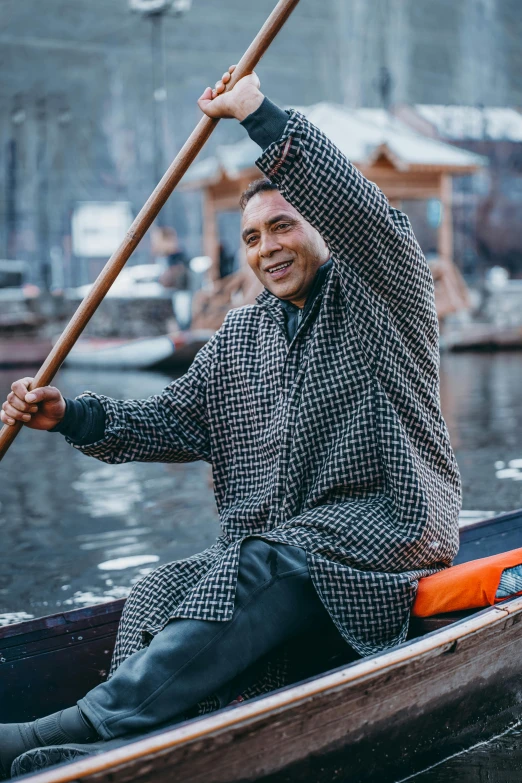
{"x":354,"y":217}
{"x":168,"y":427}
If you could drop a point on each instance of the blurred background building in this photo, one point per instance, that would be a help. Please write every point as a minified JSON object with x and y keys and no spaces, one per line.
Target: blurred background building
{"x":96,"y":100}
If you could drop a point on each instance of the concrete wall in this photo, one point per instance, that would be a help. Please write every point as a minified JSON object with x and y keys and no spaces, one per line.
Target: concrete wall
{"x":76,"y":103}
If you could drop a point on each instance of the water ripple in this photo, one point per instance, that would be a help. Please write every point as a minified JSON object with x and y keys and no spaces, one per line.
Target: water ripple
{"x":127,"y":562}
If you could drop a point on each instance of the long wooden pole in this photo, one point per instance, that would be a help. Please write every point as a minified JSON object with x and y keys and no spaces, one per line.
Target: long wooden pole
{"x":143,"y":221}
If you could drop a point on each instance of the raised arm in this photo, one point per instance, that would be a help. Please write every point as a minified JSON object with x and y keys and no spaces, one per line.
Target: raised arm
{"x":352,"y":214}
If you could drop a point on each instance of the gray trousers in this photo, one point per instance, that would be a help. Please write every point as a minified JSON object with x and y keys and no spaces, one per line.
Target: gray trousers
{"x":190,"y":660}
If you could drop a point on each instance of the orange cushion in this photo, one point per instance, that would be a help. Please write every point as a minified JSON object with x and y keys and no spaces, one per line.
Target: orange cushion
{"x":465,"y":586}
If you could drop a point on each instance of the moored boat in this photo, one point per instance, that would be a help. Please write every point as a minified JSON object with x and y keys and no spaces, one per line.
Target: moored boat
{"x":457,"y":680}
{"x":483,"y":337}
{"x":164,"y":352}
{"x":23,"y":351}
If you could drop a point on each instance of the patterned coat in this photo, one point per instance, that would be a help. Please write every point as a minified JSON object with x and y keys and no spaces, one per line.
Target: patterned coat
{"x":334,"y":442}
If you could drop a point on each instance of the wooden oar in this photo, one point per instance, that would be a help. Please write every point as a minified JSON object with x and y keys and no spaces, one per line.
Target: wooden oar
{"x":136,"y":232}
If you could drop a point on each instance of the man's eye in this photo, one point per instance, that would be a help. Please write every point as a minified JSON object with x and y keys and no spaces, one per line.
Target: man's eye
{"x":251,"y":239}
{"x":283,"y":225}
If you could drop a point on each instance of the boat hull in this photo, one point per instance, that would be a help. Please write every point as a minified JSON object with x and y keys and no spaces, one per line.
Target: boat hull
{"x":380,"y":718}
{"x":23,"y":352}
{"x":164,"y":352}
{"x":139,"y":354}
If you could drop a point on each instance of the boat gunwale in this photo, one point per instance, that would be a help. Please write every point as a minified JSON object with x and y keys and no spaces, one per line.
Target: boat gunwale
{"x":106,"y":607}
{"x":60,"y":620}
{"x":436,"y":641}
{"x":481,"y":523}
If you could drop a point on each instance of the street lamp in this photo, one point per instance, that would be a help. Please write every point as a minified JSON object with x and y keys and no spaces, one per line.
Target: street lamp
{"x":155,"y":10}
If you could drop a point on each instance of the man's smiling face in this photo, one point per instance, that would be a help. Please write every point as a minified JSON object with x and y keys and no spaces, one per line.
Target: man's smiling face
{"x":282,"y":248}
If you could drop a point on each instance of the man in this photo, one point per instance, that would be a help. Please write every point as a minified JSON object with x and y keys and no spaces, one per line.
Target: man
{"x":166,"y":249}
{"x":318,"y":408}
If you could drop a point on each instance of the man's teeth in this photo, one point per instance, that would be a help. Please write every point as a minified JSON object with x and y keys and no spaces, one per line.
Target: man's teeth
{"x":281,"y":266}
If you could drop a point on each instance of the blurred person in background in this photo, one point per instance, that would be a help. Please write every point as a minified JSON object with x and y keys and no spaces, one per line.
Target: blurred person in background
{"x":166,"y":249}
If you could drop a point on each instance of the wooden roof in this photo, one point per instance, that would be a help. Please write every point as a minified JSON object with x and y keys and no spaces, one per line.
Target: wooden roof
{"x":370,"y":138}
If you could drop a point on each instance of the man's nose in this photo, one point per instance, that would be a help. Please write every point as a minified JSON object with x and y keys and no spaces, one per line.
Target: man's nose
{"x":268,"y":245}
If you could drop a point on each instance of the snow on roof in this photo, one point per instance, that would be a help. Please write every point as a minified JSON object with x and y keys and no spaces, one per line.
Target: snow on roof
{"x":472,"y":122}
{"x":362,"y":134}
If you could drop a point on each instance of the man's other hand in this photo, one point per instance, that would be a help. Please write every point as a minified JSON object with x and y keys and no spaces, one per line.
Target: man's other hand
{"x":243,"y":99}
{"x":41,"y":409}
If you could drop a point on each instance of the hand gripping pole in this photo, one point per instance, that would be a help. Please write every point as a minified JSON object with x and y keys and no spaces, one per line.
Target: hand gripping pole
{"x":148,"y":213}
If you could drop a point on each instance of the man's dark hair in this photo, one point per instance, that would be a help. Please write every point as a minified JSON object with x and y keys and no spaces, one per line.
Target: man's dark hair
{"x":255,"y":187}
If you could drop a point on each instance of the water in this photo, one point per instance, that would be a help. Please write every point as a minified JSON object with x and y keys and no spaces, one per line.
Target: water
{"x":482,"y":402}
{"x":497,"y":761}
{"x":75,"y":531}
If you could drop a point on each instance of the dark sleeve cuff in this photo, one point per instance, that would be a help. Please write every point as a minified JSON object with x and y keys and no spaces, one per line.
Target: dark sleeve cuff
{"x":83,"y":422}
{"x":266,"y":124}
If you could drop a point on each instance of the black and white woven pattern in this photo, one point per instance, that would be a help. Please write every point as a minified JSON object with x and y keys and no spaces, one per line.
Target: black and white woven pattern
{"x":335,"y":443}
{"x":510,"y":582}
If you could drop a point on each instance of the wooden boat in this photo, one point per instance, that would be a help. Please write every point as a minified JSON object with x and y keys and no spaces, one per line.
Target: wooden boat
{"x":456,"y":681}
{"x":163,"y":352}
{"x":23,"y":351}
{"x":483,"y":337}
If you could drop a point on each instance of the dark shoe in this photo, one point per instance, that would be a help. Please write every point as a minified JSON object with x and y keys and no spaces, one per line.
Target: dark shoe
{"x":42,"y":758}
{"x":15,"y":738}
{"x":60,"y":728}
